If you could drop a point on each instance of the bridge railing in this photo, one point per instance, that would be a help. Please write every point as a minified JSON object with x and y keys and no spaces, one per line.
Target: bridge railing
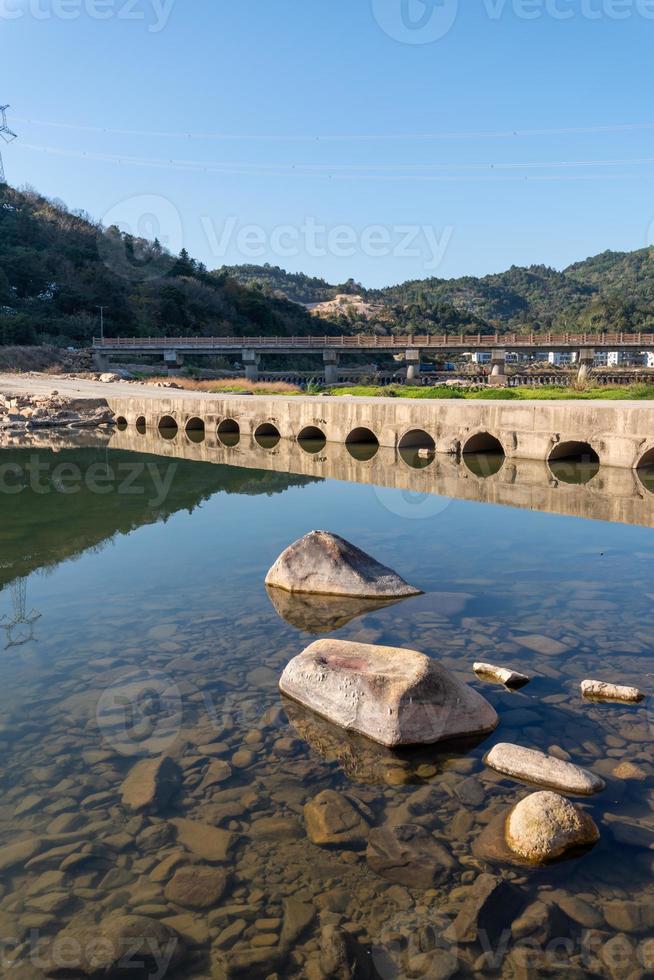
{"x":449,"y":341}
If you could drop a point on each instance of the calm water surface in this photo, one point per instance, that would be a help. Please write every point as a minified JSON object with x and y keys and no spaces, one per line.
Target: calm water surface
{"x":137,"y":623}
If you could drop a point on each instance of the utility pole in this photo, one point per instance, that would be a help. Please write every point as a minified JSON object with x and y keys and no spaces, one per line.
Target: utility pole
{"x":6,"y":135}
{"x":102,"y":309}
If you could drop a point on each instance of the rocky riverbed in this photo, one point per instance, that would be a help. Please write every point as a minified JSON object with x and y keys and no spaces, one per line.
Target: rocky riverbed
{"x":21,"y":414}
{"x":273,"y":845}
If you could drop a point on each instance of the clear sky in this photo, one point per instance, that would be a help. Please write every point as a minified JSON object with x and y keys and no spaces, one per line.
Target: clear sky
{"x":378,"y":139}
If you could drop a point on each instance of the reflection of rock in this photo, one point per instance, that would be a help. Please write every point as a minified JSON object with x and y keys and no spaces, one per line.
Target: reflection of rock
{"x":325,"y":563}
{"x":322,"y":613}
{"x":367,"y":762}
{"x":545,"y":825}
{"x":409,"y":855}
{"x":391,"y":695}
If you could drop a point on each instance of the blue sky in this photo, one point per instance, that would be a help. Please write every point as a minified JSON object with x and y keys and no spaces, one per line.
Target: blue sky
{"x":378,"y":139}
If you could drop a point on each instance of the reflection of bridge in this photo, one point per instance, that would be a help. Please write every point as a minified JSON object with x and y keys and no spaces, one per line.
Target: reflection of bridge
{"x":611,"y":494}
{"x":172,"y":349}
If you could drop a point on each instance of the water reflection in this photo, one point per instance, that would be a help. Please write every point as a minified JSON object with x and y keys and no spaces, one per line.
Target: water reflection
{"x":322,"y":613}
{"x":484,"y":465}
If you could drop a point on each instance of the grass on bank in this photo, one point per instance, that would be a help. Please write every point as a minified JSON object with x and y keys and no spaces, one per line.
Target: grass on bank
{"x":638,"y":392}
{"x":233,"y":386}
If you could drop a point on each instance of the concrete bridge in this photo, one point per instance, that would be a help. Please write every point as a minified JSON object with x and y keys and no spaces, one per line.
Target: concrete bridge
{"x":612,"y":433}
{"x":610,"y":493}
{"x":412,"y":347}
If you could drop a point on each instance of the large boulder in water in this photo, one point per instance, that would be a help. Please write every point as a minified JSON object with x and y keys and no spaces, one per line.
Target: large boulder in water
{"x":326,"y":564}
{"x":393,"y":696}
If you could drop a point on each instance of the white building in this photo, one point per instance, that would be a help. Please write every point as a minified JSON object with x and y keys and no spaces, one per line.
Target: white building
{"x":562,"y":358}
{"x":624,"y":358}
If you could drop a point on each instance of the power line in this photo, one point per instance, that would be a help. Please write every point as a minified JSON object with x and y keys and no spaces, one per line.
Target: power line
{"x":354,"y":137}
{"x":7,"y":136}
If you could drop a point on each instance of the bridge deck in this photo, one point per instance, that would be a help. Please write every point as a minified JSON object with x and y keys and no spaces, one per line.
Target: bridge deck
{"x":444,"y":342}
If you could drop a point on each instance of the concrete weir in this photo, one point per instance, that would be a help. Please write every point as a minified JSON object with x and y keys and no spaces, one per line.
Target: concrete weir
{"x":613,"y":433}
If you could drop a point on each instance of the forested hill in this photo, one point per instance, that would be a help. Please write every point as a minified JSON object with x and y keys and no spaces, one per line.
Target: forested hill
{"x":58,"y":266}
{"x":611,"y":291}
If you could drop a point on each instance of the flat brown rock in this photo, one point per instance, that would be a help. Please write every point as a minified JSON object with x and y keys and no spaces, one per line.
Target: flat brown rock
{"x":150,"y":784}
{"x":330,"y":818}
{"x":327,"y":564}
{"x":196,"y":887}
{"x":209,"y":843}
{"x":391,"y":695}
{"x":409,"y":855}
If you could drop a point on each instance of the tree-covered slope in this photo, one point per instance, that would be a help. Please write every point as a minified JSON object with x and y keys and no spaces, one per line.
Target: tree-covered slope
{"x":611,"y":291}
{"x":58,"y":266}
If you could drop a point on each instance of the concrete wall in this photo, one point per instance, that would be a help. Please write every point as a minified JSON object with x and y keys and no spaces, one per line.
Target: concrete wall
{"x":621,"y":433}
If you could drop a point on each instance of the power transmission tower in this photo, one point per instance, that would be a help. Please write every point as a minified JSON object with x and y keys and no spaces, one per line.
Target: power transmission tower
{"x":6,"y":135}
{"x":20,"y":627}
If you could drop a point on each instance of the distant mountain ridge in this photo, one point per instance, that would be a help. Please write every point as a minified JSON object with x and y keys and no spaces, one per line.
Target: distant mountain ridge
{"x":611,"y":291}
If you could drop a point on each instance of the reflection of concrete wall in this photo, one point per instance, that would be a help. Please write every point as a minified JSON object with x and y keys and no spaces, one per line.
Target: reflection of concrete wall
{"x":612,"y":495}
{"x":620,"y":432}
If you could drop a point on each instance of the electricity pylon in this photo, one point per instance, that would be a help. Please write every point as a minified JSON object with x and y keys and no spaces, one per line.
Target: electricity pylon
{"x":6,"y":135}
{"x":16,"y":637}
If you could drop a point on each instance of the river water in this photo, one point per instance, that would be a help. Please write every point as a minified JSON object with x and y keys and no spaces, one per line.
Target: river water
{"x":136,"y":623}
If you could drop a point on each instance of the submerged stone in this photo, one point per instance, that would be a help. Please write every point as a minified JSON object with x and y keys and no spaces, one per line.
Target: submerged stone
{"x":104,"y":950}
{"x":409,"y":855}
{"x":196,"y":887}
{"x":533,"y":766}
{"x":327,"y":564}
{"x":544,"y":826}
{"x":330,"y":818}
{"x":150,"y":784}
{"x":391,"y":695}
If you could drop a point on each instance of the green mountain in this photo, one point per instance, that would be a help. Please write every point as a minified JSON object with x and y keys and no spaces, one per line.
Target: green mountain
{"x":58,"y":266}
{"x":612,"y":291}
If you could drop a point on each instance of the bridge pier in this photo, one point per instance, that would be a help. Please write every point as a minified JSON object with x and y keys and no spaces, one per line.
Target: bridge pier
{"x":498,"y":369}
{"x":251,"y":361}
{"x":412,"y":358}
{"x":586,"y":360}
{"x":331,"y":361}
{"x":173,"y":359}
{"x":100,"y":361}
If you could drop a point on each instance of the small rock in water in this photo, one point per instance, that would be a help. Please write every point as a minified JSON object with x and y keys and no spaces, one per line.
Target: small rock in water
{"x":510,"y":678}
{"x":331,"y":819}
{"x":150,"y":784}
{"x":102,"y":950}
{"x":196,"y":887}
{"x":393,"y":696}
{"x":602,"y":691}
{"x":409,"y":855}
{"x":324,"y":563}
{"x":532,"y":766}
{"x":545,"y":825}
